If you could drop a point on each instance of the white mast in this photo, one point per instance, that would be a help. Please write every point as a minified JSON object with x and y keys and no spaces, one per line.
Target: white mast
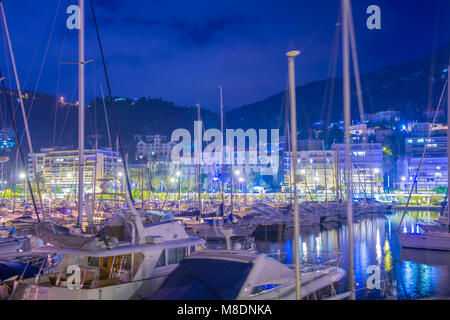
{"x":346,"y":94}
{"x":448,"y":143}
{"x":221,"y":130}
{"x":22,"y":107}
{"x":80,"y":114}
{"x":199,"y":166}
{"x":291,"y":56}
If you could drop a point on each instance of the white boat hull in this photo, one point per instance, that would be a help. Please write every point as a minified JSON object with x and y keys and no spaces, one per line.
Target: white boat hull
{"x":312,"y":282}
{"x":210,"y":232}
{"x":14,"y":245}
{"x":429,"y":240}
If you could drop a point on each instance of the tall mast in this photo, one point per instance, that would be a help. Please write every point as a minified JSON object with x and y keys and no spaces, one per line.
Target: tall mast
{"x":448,"y":143}
{"x":291,"y":56}
{"x":199,"y":167}
{"x":80,"y":114}
{"x":22,"y":107}
{"x":221,"y":130}
{"x":290,"y":164}
{"x":346,"y":95}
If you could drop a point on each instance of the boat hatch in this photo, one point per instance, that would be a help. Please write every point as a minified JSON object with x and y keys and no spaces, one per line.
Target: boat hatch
{"x":204,"y":279}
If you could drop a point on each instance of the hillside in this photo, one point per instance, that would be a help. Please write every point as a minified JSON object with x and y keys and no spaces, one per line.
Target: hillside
{"x":134,"y":116}
{"x":404,"y":88}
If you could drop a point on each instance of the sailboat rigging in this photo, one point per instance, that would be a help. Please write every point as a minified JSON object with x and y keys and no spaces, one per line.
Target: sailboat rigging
{"x":27,"y":130}
{"x":431,"y":240}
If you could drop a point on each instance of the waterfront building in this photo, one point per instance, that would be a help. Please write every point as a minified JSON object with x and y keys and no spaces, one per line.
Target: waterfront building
{"x":436,"y":146}
{"x":242,"y":166}
{"x":387,"y":116}
{"x":381,"y":134}
{"x":429,"y":114}
{"x":366,"y":168}
{"x":433,"y":170}
{"x":316,"y":172}
{"x":360,"y":129}
{"x":58,"y":169}
{"x":310,"y":144}
{"x":433,"y":173}
{"x":155,"y":145}
{"x":369,"y":117}
{"x":420,"y":129}
{"x":7,"y":139}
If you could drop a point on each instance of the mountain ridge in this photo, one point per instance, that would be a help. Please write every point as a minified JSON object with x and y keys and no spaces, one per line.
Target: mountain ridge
{"x":410,"y":87}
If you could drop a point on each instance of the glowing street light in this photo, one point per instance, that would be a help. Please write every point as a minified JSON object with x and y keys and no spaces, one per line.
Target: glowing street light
{"x":178,"y":174}
{"x":22,"y":175}
{"x":376,"y":171}
{"x":237,"y":172}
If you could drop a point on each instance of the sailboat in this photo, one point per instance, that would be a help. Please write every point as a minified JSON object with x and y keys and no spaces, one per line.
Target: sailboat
{"x":214,"y":226}
{"x":13,"y":243}
{"x":240,"y":275}
{"x":432,"y":239}
{"x":132,"y":264}
{"x":119,"y":259}
{"x":214,"y":229}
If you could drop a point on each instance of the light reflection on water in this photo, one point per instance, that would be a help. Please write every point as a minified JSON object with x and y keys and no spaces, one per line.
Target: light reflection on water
{"x":413,"y":273}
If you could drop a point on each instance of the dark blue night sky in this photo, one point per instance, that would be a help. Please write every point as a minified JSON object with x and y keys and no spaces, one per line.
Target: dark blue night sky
{"x":183,"y":50}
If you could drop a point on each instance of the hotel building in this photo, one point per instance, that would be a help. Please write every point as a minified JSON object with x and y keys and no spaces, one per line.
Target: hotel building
{"x":59,"y":168}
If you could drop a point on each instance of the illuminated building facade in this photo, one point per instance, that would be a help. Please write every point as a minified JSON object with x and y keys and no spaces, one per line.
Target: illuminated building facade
{"x":58,"y":169}
{"x":153,"y":145}
{"x":316,"y":172}
{"x":432,"y":173}
{"x":433,"y":170}
{"x":366,"y":168}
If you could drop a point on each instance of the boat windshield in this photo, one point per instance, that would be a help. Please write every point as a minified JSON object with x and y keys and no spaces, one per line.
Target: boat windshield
{"x":204,"y":279}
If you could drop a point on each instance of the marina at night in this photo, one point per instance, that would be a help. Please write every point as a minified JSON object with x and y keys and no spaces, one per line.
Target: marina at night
{"x":244,"y":152}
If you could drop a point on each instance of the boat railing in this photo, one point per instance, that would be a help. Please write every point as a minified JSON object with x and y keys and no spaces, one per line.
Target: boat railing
{"x":312,"y":259}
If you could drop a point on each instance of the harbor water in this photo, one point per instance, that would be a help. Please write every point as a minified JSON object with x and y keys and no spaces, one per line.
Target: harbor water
{"x":383,"y":270}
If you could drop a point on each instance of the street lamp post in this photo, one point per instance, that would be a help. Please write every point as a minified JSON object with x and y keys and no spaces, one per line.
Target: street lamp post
{"x":120,"y":175}
{"x":179,"y":191}
{"x":291,"y":64}
{"x":242,"y":180}
{"x":245,"y":190}
{"x":403,"y":180}
{"x":376,"y":171}
{"x":23,"y":176}
{"x":237,"y":173}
